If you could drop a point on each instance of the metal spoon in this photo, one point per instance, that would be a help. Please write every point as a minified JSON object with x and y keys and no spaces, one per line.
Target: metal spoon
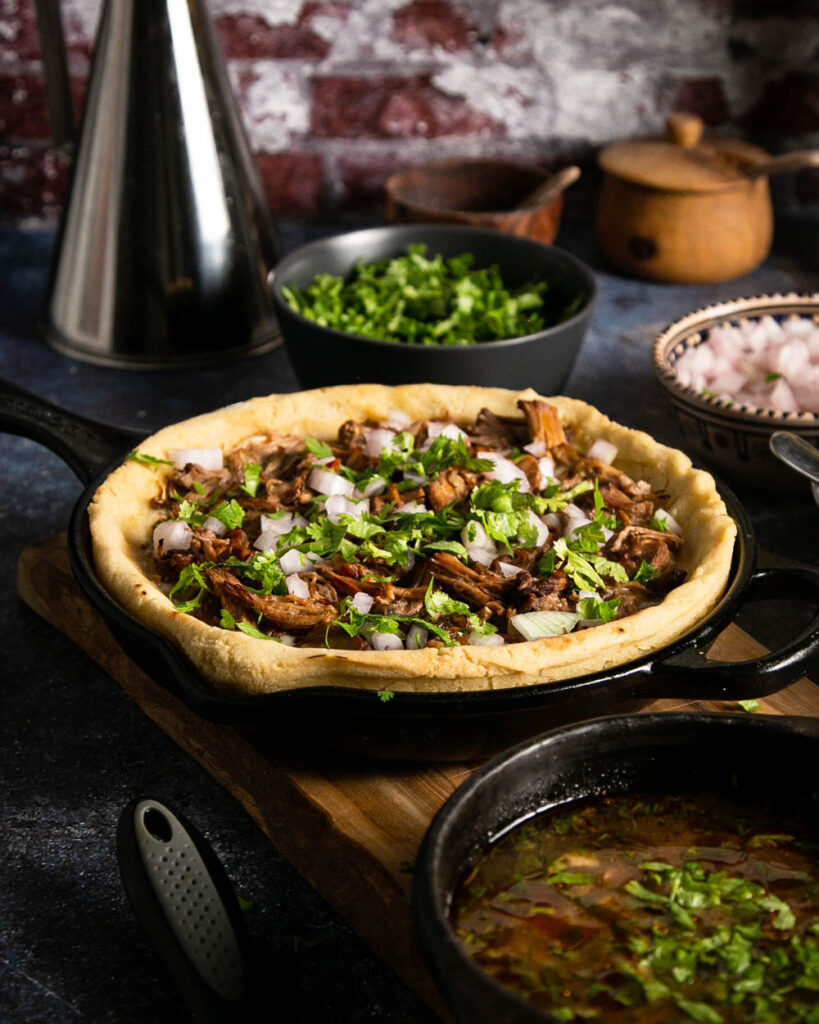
{"x":799,"y":454}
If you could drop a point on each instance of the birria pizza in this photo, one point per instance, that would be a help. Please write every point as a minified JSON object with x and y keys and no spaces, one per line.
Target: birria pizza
{"x":421,"y":538}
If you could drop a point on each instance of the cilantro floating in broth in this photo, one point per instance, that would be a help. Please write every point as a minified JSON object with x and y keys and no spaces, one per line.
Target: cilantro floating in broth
{"x":416,"y":300}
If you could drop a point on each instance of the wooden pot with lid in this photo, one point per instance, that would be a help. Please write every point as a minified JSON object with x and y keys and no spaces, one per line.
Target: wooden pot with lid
{"x":685,"y":209}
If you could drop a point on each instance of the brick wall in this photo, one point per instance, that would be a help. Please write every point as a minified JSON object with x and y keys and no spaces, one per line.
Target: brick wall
{"x":337,"y":93}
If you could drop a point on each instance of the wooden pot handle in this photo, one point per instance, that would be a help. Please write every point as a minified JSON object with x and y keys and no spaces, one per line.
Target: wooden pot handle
{"x":684,"y":129}
{"x":786,"y":162}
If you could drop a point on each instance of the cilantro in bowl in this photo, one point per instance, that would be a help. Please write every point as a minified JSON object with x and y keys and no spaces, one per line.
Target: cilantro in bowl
{"x":421,"y":301}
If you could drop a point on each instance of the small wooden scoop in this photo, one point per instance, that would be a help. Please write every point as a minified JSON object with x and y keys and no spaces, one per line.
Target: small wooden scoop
{"x":550,"y":188}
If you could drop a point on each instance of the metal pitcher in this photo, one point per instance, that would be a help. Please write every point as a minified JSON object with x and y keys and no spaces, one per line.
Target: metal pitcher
{"x":166,"y":241}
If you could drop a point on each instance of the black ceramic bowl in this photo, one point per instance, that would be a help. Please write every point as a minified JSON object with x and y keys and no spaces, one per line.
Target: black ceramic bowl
{"x":323,"y":356}
{"x":745,"y":757}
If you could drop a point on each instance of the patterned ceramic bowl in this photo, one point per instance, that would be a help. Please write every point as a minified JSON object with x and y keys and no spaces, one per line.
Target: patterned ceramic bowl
{"x":733,"y":438}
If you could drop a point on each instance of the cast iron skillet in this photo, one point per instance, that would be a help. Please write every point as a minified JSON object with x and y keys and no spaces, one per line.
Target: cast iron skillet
{"x":443,"y":726}
{"x":744,"y":757}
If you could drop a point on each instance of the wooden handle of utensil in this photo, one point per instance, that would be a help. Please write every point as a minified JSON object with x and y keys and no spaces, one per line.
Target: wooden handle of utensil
{"x":547,"y":190}
{"x":684,"y":129}
{"x":786,"y":162}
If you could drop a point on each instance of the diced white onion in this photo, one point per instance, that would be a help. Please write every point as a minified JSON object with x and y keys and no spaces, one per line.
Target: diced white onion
{"x":297,"y":586}
{"x":337,"y":506}
{"x":436,"y":428}
{"x":553,"y":521}
{"x":410,"y":560}
{"x":297,"y":561}
{"x":485,"y":640}
{"x":547,"y":468}
{"x":575,"y":518}
{"x":377,"y":440}
{"x":281,"y":524}
{"x":536,"y":448}
{"x":362,"y":602}
{"x":412,"y":507}
{"x":508,"y":570}
{"x":536,"y":625}
{"x":603,"y":450}
{"x":172,"y":535}
{"x":669,"y":521}
{"x":375,"y":486}
{"x":415,"y":478}
{"x":208,"y":458}
{"x":583,"y":594}
{"x":266,"y":540}
{"x":505,"y":471}
{"x":215,"y":526}
{"x":397,"y":420}
{"x":479,"y":546}
{"x":287,"y":640}
{"x":325,"y":482}
{"x":325,"y":461}
{"x":540,"y":526}
{"x":416,"y":638}
{"x":386,"y":642}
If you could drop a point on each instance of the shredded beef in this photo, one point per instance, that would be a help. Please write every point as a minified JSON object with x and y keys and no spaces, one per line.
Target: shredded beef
{"x":286,"y":612}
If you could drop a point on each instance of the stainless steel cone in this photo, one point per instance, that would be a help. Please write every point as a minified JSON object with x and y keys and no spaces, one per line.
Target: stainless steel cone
{"x":166,"y":242}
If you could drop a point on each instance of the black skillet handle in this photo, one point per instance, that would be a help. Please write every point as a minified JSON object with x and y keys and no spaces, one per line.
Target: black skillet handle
{"x":86,"y":446}
{"x":692,"y":674}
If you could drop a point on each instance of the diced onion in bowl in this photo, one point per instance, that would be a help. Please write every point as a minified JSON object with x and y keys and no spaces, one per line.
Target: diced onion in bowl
{"x":362,"y":602}
{"x":172,"y":535}
{"x":386,"y":642}
{"x":337,"y":506}
{"x":508,"y":570}
{"x":377,"y":440}
{"x":479,"y":545}
{"x":209,"y":459}
{"x":325,"y":482}
{"x":537,"y":625}
{"x":603,"y":450}
{"x":505,"y":471}
{"x":416,"y":638}
{"x":297,"y":587}
{"x":476,"y":639}
{"x":215,"y":526}
{"x":297,"y":561}
{"x":266,"y":540}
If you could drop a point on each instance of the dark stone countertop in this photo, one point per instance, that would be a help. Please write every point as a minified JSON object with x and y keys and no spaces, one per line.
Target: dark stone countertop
{"x":74,"y":749}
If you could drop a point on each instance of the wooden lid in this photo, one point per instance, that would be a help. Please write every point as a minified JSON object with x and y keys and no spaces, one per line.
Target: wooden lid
{"x":682,"y":162}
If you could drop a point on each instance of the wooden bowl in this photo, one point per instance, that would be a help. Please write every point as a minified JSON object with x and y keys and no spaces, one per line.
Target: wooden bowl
{"x":478,"y":193}
{"x":734,"y":438}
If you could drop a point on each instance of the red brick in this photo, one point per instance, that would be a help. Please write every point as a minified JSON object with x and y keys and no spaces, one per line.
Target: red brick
{"x":392,"y":107}
{"x":32,"y":182}
{"x":430,"y":23}
{"x":245,"y":35}
{"x":789,"y":105}
{"x":293,"y":182}
{"x":703,"y":96}
{"x":23,"y":107}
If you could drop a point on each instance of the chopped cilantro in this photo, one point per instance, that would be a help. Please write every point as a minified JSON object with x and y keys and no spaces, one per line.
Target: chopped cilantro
{"x":438,"y":602}
{"x":658,"y":523}
{"x":148,"y":460}
{"x":592,"y":608}
{"x":412,"y":299}
{"x":230,"y":513}
{"x":749,"y":705}
{"x":252,"y":478}
{"x":249,"y":629}
{"x":318,"y":448}
{"x":385,"y":696}
{"x":645,"y":572}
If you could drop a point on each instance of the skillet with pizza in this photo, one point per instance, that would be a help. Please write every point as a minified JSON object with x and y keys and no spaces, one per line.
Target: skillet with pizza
{"x":420,"y":538}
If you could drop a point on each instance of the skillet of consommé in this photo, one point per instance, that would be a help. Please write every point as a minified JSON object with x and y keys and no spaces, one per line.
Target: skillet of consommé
{"x":650,"y":909}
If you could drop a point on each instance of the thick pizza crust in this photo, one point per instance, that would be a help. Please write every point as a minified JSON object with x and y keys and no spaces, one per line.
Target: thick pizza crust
{"x":122,"y":523}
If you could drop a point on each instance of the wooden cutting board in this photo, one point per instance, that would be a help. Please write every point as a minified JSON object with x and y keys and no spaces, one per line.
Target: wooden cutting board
{"x":351,"y":830}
